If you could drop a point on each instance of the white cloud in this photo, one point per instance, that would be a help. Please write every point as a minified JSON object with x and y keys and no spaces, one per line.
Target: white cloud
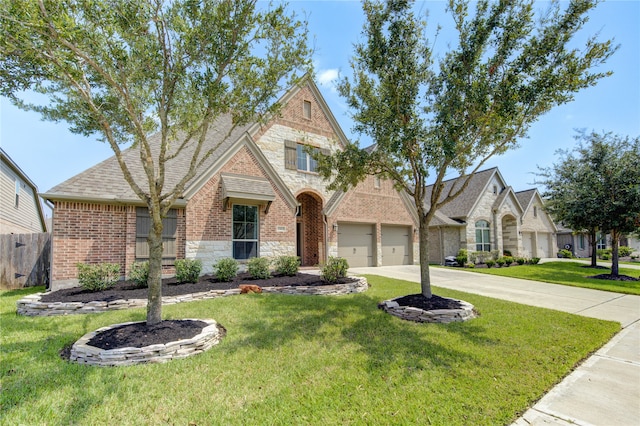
{"x":327,"y":77}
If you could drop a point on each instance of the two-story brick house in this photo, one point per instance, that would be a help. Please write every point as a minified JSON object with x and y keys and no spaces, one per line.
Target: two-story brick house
{"x":257,"y":195}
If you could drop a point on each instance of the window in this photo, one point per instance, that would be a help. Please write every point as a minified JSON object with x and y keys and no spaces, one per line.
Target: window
{"x":376,"y":182}
{"x":495,"y":190}
{"x":483,"y":240}
{"x":169,"y":231}
{"x":535,"y":211}
{"x":17,"y":204}
{"x":601,"y":243}
{"x":306,"y":109}
{"x":245,"y":232}
{"x":581,"y":241}
{"x":305,"y":161}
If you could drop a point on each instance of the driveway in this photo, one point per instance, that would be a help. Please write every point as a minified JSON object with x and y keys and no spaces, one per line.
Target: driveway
{"x":605,"y":389}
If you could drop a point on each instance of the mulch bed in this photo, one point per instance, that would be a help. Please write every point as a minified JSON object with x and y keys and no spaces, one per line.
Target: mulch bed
{"x":124,"y":290}
{"x":140,"y":334}
{"x":614,"y":277}
{"x":421,"y":302}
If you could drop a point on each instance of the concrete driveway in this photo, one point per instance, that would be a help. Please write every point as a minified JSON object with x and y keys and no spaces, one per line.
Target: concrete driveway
{"x":605,"y":389}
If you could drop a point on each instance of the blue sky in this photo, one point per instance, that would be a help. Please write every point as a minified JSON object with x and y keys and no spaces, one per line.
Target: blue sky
{"x":49,"y":154}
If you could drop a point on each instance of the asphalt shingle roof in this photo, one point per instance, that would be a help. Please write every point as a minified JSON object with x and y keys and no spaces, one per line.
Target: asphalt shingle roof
{"x":105,"y":180}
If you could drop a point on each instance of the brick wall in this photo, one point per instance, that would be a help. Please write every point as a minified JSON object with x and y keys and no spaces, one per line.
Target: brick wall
{"x":95,"y":233}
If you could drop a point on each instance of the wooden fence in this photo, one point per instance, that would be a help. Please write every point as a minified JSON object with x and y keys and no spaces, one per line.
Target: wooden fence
{"x":25,"y":260}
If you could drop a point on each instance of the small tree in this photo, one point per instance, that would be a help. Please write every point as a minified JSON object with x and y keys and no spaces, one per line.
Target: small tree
{"x":125,"y":70}
{"x":428,"y":114}
{"x":597,"y":186}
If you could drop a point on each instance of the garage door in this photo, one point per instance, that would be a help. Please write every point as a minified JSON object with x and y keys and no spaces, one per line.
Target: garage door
{"x":527,"y":243}
{"x":355,"y":243}
{"x":396,"y":245}
{"x":543,"y":245}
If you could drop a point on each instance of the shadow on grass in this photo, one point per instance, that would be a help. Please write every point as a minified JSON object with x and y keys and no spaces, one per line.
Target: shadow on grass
{"x":31,"y":368}
{"x":355,"y":320}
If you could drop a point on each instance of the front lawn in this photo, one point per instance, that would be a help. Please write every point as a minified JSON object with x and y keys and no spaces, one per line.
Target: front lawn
{"x":568,"y":273}
{"x":301,"y":360}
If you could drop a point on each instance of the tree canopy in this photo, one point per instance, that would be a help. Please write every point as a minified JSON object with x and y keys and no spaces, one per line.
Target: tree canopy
{"x":429,"y":114}
{"x":125,"y":70}
{"x":596,"y":186}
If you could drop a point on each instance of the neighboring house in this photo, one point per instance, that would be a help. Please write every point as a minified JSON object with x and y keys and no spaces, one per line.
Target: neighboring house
{"x":578,"y":242}
{"x":489,"y":216}
{"x":257,"y":195}
{"x":20,"y":207}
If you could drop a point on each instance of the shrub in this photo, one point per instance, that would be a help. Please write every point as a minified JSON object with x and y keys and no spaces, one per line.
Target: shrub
{"x":462,"y":257}
{"x":521,"y":261}
{"x":508,"y":260}
{"x":226,"y":269}
{"x":565,"y":254}
{"x":507,"y":253}
{"x":535,"y":260}
{"x":258,"y":268}
{"x":98,"y":277}
{"x":470,"y":265}
{"x":188,"y":270}
{"x":287,"y":265}
{"x":139,"y":274}
{"x":500,"y":262}
{"x":605,"y":256}
{"x":603,"y":252}
{"x":334,"y":269}
{"x":490,"y":263}
{"x":624,"y":251}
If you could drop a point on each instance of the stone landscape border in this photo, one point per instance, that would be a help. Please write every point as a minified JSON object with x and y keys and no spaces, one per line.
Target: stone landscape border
{"x":32,"y":305}
{"x":83,"y":353}
{"x":442,"y":316}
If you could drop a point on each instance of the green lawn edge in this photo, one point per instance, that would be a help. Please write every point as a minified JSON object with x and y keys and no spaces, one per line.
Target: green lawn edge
{"x":573,"y":274}
{"x":302,"y":360}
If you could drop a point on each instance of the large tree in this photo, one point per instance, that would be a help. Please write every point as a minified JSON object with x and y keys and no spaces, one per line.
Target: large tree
{"x":596,"y":186}
{"x":429,"y":113}
{"x":125,"y":70}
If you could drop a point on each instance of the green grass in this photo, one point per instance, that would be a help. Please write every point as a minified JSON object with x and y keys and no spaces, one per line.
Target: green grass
{"x":301,"y":360}
{"x":568,"y":273}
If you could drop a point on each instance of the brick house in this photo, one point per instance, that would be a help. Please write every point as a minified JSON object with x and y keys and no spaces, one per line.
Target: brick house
{"x":257,"y":195}
{"x":489,"y":216}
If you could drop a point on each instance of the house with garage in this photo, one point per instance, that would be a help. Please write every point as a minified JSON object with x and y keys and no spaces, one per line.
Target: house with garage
{"x":489,"y":216}
{"x":257,"y":195}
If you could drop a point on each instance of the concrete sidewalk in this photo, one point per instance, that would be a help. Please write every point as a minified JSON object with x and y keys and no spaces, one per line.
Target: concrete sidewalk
{"x":605,"y":389}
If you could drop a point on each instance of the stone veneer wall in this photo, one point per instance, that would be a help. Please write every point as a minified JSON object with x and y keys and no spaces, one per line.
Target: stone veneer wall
{"x":441,"y":316}
{"x":83,"y":353}
{"x":32,"y":306}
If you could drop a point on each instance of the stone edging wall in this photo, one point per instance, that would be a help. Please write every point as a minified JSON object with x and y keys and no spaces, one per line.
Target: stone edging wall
{"x":435,"y":316}
{"x":31,"y":305}
{"x":83,"y":353}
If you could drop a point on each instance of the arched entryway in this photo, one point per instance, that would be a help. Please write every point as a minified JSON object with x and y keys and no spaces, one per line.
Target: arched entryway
{"x":310,"y":229}
{"x":510,"y":235}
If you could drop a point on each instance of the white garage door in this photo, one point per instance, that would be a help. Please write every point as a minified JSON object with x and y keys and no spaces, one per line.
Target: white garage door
{"x":543,"y":245}
{"x":355,"y":243}
{"x":527,"y":242}
{"x":396,"y":245}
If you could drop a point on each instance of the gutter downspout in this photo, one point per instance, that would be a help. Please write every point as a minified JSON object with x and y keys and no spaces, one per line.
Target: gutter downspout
{"x":326,"y":237}
{"x":53,"y":213}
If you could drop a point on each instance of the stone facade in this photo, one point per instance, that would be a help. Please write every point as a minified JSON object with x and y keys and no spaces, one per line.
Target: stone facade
{"x":517,"y":222}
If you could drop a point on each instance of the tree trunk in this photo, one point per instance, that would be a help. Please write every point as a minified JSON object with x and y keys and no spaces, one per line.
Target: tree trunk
{"x":425,"y":278}
{"x":615,"y":244}
{"x":154,"y":292}
{"x":594,"y":253}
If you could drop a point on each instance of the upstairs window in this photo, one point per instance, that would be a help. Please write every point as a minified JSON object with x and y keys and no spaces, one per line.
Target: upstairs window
{"x":305,"y":160}
{"x":17,"y":203}
{"x":298,"y":157}
{"x":483,"y":236}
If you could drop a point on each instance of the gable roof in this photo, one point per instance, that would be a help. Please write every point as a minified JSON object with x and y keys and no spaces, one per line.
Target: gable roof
{"x":526,"y":198}
{"x":462,"y":206}
{"x":504,"y":196}
{"x":105,"y":182}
